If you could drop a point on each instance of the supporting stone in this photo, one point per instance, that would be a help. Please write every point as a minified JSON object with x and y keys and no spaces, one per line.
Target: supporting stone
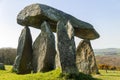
{"x":66,"y":48}
{"x":85,"y":58}
{"x":2,"y":66}
{"x":57,"y":61}
{"x":44,"y":50}
{"x":22,"y":64}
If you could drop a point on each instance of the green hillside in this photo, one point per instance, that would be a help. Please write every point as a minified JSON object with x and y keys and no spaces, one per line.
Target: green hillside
{"x":107,"y":51}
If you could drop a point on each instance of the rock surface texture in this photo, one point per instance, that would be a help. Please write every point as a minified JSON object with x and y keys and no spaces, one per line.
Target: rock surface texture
{"x":22,"y":64}
{"x":34,"y":15}
{"x":66,"y":48}
{"x":44,"y":50}
{"x":57,"y":61}
{"x":85,"y":58}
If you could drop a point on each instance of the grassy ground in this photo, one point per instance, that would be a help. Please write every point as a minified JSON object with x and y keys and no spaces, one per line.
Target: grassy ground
{"x":8,"y":75}
{"x":110,"y":75}
{"x":53,"y":75}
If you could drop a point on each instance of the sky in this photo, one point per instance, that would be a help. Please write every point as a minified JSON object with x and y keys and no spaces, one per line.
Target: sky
{"x":104,"y":15}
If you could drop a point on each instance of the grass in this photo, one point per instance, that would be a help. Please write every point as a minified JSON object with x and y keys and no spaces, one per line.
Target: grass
{"x":52,"y":75}
{"x":110,"y":75}
{"x":8,"y":75}
{"x":55,"y":75}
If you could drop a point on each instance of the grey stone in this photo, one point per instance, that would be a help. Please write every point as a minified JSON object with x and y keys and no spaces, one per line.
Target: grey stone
{"x":44,"y":50}
{"x":2,"y":66}
{"x":57,"y":61}
{"x":34,"y":15}
{"x":22,"y":64}
{"x":66,"y":48}
{"x":85,"y":58}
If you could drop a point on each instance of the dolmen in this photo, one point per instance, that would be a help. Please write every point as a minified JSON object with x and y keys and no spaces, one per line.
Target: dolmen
{"x":40,"y":57}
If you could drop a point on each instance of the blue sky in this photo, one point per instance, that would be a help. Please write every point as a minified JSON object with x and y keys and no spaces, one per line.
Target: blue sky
{"x":104,"y":15}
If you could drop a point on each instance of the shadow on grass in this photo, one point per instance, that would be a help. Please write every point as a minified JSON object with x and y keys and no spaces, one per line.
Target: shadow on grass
{"x":81,"y":76}
{"x":112,"y":75}
{"x":97,"y":79}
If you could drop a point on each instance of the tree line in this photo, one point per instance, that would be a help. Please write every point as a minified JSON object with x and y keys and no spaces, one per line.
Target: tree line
{"x":7,"y":55}
{"x":108,"y":62}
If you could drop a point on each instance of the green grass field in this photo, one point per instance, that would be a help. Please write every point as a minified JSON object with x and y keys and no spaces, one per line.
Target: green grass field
{"x":53,"y":75}
{"x":111,"y":75}
{"x":8,"y":75}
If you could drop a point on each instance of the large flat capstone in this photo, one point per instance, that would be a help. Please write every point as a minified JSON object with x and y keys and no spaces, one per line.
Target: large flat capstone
{"x":34,"y":15}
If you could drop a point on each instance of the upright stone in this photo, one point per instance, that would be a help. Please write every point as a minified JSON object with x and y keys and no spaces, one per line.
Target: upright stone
{"x":44,"y":50}
{"x":57,"y":61}
{"x":22,"y":64}
{"x":66,"y":48}
{"x":2,"y":66}
{"x":85,"y":58}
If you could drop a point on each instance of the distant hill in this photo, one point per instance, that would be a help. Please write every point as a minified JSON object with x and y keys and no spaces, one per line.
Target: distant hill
{"x":107,"y":51}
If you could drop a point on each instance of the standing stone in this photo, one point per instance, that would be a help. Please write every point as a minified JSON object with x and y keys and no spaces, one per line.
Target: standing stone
{"x":57,"y":61}
{"x":44,"y":50}
{"x":85,"y":58}
{"x":22,"y":64}
{"x":2,"y":66}
{"x":66,"y":48}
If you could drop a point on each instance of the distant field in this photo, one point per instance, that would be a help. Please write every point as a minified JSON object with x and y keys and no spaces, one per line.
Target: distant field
{"x":53,"y":75}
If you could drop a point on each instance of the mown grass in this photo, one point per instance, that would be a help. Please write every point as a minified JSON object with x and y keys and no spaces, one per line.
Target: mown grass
{"x":110,"y":75}
{"x":55,"y":75}
{"x":8,"y":75}
{"x":52,"y":75}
